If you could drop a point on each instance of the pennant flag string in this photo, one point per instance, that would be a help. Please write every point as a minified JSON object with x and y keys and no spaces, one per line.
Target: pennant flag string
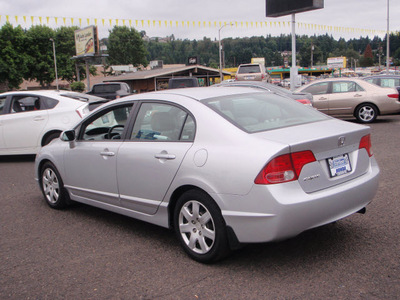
{"x":109,"y":22}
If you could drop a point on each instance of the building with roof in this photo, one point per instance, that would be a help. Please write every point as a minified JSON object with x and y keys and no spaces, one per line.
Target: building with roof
{"x":157,"y":79}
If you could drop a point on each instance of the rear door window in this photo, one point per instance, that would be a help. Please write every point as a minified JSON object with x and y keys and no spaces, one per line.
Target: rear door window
{"x":2,"y":103}
{"x":318,"y":88}
{"x":25,"y":103}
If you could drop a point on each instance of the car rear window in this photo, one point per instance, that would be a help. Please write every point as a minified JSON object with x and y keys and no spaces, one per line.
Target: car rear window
{"x":106,"y":88}
{"x":257,"y":112}
{"x":249,"y":69}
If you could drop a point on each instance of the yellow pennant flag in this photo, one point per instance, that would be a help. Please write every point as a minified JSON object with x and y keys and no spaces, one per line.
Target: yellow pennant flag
{"x":116,"y":21}
{"x":64,"y":20}
{"x":136,"y":22}
{"x":16,"y":19}
{"x":56,"y":19}
{"x":130,"y":23}
{"x":8,"y":18}
{"x":95,"y":21}
{"x":25,"y":19}
{"x":88,"y":22}
{"x":102,"y":21}
{"x":48,"y":18}
{"x":110,"y":21}
{"x":80,"y":22}
{"x":177,"y":24}
{"x":40,"y":20}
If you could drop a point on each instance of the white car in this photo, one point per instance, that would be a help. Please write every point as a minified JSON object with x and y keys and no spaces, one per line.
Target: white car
{"x":31,"y":119}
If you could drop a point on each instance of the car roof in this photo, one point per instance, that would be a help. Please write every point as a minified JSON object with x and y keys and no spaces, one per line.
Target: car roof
{"x":382,"y":76}
{"x":196,"y":93}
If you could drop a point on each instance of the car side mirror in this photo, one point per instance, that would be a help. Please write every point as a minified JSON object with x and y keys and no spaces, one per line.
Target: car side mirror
{"x":68,"y":136}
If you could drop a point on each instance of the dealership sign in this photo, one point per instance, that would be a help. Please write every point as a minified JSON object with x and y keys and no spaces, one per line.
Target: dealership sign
{"x":86,"y":41}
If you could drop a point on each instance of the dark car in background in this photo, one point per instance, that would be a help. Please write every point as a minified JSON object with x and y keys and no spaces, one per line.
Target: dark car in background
{"x":305,"y":98}
{"x":110,"y":90}
{"x":182,"y":82}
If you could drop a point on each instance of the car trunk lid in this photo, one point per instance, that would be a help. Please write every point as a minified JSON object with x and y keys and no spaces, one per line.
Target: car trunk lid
{"x":336,"y":147}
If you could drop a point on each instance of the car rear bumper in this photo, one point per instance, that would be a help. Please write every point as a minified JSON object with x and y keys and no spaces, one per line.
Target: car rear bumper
{"x":277,"y":212}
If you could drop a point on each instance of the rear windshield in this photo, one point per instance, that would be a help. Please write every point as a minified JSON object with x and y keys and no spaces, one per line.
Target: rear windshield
{"x":106,"y":88}
{"x":249,"y":69}
{"x":181,"y":83}
{"x":257,"y":112}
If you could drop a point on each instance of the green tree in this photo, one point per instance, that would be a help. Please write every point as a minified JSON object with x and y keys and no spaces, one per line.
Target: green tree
{"x":65,"y":49}
{"x":13,"y":60}
{"x":40,"y":51}
{"x":126,"y":46}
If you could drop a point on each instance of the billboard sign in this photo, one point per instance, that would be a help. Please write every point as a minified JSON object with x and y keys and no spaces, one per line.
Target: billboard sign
{"x":86,"y":41}
{"x":279,"y":8}
{"x":336,"y":62}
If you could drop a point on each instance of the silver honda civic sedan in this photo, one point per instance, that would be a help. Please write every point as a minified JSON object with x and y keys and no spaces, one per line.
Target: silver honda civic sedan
{"x":221,"y":167}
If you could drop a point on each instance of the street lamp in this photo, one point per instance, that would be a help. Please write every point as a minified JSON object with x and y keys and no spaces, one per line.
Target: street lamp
{"x":220,"y":48}
{"x":55,"y":61}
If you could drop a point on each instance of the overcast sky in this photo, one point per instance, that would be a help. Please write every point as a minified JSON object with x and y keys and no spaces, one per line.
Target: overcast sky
{"x":248,"y":17}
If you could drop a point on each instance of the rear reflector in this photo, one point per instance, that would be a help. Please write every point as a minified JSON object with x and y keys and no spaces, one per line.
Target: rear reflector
{"x":365,"y":143}
{"x":284,"y":168}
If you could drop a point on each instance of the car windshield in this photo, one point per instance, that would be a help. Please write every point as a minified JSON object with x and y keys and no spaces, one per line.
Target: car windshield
{"x":255,"y":112}
{"x":249,"y":69}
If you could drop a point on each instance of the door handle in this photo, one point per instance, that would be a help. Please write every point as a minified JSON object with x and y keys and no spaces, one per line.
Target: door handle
{"x":165,"y":156}
{"x":38,"y":118}
{"x":357,"y":95}
{"x":107,"y":153}
{"x":323,"y":98}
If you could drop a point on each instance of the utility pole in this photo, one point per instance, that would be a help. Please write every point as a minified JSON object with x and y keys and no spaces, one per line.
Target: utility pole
{"x":312,"y":55}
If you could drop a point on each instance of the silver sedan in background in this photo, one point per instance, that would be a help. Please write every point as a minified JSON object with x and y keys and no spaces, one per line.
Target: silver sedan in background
{"x":220,"y":166}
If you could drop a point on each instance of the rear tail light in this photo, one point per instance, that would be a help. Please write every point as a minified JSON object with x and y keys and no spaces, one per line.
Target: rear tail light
{"x":83,"y":110}
{"x":365,"y":143}
{"x":284,"y":168}
{"x":304,"y":101}
{"x":393,"y":96}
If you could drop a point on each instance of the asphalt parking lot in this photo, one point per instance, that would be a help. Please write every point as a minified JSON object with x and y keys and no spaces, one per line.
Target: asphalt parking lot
{"x":87,"y":253}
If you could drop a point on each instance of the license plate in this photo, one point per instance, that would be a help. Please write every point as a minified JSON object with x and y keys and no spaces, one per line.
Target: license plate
{"x":339,"y":165}
{"x":249,"y":77}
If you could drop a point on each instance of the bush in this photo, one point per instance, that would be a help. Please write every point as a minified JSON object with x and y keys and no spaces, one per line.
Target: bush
{"x":77,"y":86}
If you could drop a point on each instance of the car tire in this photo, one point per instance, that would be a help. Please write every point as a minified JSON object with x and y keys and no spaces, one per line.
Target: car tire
{"x":52,"y":187}
{"x":366,"y":113}
{"x":200,"y":227}
{"x":50,"y":137}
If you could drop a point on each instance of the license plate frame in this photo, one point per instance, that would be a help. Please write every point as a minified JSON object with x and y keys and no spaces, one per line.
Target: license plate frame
{"x":339,"y":165}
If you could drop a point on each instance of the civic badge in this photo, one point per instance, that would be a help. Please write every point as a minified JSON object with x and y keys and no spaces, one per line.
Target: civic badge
{"x":341,"y":141}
